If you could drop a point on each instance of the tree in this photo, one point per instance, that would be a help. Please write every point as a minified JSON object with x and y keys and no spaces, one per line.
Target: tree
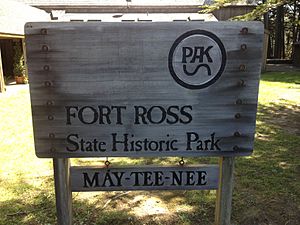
{"x":281,"y":18}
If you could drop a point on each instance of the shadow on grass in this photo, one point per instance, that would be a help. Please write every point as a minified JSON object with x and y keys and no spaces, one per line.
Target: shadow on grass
{"x":35,"y":205}
{"x":279,"y":116}
{"x":144,"y":207}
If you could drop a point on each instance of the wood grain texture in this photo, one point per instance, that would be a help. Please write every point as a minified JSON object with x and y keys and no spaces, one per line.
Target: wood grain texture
{"x":126,"y":65}
{"x":144,"y":178}
{"x":63,"y":193}
{"x":225,"y":190}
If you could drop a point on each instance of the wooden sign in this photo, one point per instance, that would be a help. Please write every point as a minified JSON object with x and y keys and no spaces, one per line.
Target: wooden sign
{"x":144,"y":178}
{"x":144,"y":89}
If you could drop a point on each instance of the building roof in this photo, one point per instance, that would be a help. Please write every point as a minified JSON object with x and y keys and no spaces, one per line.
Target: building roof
{"x":14,"y":15}
{"x":113,"y":6}
{"x":113,"y":2}
{"x":130,"y":2}
{"x":132,"y":17}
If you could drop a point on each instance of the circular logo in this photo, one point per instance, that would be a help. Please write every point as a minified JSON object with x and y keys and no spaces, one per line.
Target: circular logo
{"x":197,"y":59}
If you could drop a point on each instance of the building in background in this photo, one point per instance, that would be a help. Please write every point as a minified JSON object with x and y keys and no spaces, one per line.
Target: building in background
{"x":122,"y":10}
{"x":118,"y":10}
{"x":13,"y":16}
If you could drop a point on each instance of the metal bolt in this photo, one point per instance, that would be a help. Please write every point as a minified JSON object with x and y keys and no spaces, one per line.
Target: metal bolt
{"x":235,"y":148}
{"x":244,"y":31}
{"x":50,"y":117}
{"x":44,"y":31}
{"x":237,"y":116}
{"x":237,"y":134}
{"x":51,"y":135}
{"x":46,"y":68}
{"x":48,"y":83}
{"x":49,"y":103}
{"x":243,"y":47}
{"x":239,"y":102}
{"x":242,"y":83}
{"x":242,"y":67}
{"x":45,"y":48}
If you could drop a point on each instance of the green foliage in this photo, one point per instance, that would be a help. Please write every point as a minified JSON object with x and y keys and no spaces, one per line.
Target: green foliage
{"x":282,"y":34}
{"x":257,"y":13}
{"x":216,"y":5}
{"x":19,"y":68}
{"x":261,"y":9}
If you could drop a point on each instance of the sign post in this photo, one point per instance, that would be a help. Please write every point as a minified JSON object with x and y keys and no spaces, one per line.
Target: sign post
{"x":178,"y":89}
{"x":63,"y":192}
{"x":224,"y":191}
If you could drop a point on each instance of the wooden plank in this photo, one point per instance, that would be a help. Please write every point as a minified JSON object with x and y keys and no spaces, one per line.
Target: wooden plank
{"x":224,"y":192}
{"x":63,"y":194}
{"x":145,"y":80}
{"x":144,"y":178}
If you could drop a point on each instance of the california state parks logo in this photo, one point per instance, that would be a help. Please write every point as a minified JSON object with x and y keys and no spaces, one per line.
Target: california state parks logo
{"x":197,"y":59}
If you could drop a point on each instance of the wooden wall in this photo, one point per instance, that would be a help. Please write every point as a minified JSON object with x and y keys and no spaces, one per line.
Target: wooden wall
{"x":228,"y":12}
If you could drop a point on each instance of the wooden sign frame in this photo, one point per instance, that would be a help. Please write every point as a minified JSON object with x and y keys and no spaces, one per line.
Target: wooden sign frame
{"x":232,"y":84}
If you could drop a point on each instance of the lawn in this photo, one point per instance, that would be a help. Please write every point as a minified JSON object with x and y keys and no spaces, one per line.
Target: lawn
{"x":267,"y":189}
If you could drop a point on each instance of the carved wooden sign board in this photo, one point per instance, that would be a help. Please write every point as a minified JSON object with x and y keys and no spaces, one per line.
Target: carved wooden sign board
{"x":138,"y":89}
{"x":144,"y":89}
{"x":144,"y":178}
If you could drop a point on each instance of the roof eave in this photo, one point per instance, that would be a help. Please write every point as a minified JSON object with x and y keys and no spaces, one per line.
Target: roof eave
{"x":121,"y":8}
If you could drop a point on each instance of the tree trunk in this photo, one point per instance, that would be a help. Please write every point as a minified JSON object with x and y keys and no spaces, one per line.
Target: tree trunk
{"x":294,"y":29}
{"x":279,"y":33}
{"x":266,"y":18}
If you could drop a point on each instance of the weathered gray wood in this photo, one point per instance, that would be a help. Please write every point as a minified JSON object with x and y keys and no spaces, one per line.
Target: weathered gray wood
{"x":144,"y":178}
{"x":130,"y":65}
{"x":63,"y":192}
{"x":224,"y":192}
{"x":2,"y":83}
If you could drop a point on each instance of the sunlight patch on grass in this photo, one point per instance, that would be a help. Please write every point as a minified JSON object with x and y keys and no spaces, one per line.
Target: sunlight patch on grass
{"x":148,"y":206}
{"x":274,"y":86}
{"x":17,"y":146}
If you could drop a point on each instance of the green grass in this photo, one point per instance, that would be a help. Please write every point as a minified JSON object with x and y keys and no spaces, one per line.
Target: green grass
{"x":267,"y":189}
